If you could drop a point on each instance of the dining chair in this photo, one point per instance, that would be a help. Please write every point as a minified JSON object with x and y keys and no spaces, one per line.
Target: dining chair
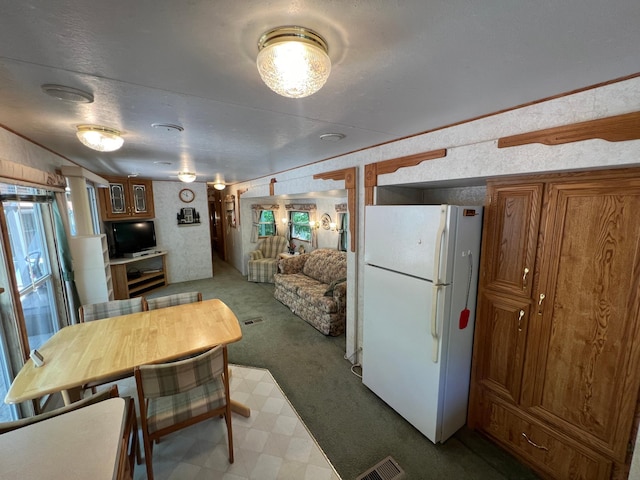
{"x":172,"y":300}
{"x":112,"y":308}
{"x":90,"y":400}
{"x":172,"y":396}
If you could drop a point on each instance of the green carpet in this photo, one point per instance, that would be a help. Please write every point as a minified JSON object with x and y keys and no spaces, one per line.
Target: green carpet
{"x":353,"y":426}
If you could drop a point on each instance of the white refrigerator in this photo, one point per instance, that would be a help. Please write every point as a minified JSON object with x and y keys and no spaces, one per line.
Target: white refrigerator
{"x":420,"y":283}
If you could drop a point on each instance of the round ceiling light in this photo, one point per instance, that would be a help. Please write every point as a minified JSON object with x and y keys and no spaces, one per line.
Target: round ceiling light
{"x":293,"y":61}
{"x":186,"y":177}
{"x":102,"y":139}
{"x":219,"y":186}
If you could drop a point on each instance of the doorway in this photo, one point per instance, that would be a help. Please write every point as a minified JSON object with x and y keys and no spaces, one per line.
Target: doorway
{"x":216,"y":224}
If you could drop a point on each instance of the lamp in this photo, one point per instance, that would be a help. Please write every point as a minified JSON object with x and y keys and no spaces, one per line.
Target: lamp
{"x":293,"y":61}
{"x":332,"y":226}
{"x":219,"y":186}
{"x":186,"y":177}
{"x":313,"y":224}
{"x":102,"y":139}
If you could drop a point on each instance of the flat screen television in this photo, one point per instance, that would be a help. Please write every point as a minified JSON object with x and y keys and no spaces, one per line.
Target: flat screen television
{"x":132,"y":237}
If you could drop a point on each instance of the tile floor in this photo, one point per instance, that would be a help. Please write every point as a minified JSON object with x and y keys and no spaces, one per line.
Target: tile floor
{"x":272,"y":443}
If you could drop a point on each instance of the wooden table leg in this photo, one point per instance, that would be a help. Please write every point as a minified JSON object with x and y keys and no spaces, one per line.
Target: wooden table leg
{"x":71,"y":395}
{"x":240,"y":409}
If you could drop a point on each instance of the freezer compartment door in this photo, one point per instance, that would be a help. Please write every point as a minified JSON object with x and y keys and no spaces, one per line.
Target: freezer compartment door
{"x":398,"y":346}
{"x":409,"y":239}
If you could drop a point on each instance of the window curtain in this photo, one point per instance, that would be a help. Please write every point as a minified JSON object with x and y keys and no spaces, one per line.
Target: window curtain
{"x":341,"y":211}
{"x":311,"y":208}
{"x":257,"y":210}
{"x":66,"y":262}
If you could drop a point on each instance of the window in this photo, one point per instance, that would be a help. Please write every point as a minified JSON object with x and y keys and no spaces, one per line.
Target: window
{"x":300,"y":226}
{"x":266,"y":224}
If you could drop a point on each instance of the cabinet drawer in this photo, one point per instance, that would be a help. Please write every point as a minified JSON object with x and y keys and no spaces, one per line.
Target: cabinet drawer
{"x":549,"y":452}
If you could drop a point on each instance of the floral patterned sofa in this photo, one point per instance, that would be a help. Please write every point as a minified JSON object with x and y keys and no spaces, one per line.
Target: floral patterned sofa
{"x":314,"y":286}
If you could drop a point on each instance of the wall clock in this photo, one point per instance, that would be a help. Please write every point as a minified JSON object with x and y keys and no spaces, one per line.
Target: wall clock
{"x":187,"y":195}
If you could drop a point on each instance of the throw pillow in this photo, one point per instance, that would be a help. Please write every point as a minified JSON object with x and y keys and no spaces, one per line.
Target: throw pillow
{"x":329,"y":292}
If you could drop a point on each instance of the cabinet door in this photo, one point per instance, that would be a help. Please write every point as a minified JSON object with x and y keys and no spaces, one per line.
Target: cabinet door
{"x":127,"y":199}
{"x":114,"y":202}
{"x":141,"y":198}
{"x":587,"y":352}
{"x":500,"y":338}
{"x":511,"y":231}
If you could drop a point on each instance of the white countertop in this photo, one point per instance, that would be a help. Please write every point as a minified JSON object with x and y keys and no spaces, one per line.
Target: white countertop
{"x":82,"y":444}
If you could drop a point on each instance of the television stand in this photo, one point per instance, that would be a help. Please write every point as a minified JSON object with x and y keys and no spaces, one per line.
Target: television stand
{"x":133,"y":277}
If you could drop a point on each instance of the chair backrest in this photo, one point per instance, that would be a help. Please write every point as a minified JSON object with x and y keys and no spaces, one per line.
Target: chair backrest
{"x":172,"y":378}
{"x":113,"y":308}
{"x":272,"y":246}
{"x":175,"y":299}
{"x":90,"y":400}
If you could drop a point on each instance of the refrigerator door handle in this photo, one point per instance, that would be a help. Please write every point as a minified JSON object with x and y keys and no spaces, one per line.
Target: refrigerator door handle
{"x":434,"y":324}
{"x":440,"y":239}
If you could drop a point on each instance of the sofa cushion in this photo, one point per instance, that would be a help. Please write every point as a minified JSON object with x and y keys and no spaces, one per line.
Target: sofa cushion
{"x":326,"y":265}
{"x":314,"y":295}
{"x":292,"y":282}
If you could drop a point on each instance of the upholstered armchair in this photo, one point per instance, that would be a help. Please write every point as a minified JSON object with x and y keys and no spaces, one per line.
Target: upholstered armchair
{"x":263,"y":262}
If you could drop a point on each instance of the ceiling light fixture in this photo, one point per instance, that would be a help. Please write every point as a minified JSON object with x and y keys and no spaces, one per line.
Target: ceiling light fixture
{"x":70,"y":94}
{"x":293,"y":61}
{"x":186,"y":177}
{"x":102,"y":139}
{"x":219,"y":186}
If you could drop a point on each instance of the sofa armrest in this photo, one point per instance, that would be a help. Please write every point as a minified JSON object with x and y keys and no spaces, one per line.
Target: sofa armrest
{"x":255,"y":255}
{"x":293,"y":264}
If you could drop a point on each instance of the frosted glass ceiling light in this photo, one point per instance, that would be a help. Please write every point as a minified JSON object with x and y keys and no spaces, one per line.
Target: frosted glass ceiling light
{"x":293,"y":61}
{"x":102,"y":139}
{"x":186,"y":177}
{"x":219,"y":186}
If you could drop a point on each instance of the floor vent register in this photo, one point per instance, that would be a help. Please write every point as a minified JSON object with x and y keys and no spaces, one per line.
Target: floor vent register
{"x":252,"y":321}
{"x":387,"y":469}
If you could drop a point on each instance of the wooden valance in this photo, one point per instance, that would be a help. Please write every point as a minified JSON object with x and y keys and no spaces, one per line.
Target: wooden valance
{"x":372,"y":170}
{"x":612,"y":129}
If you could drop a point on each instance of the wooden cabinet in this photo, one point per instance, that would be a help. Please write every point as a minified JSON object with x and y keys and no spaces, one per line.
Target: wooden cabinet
{"x":133,"y":277}
{"x":127,"y":199}
{"x":557,"y":351}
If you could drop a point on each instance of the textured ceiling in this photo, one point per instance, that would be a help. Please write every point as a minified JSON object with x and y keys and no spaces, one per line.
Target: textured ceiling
{"x":399,"y":68}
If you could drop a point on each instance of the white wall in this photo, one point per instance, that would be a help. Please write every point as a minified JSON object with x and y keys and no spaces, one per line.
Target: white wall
{"x":189,"y":247}
{"x":472,"y":154}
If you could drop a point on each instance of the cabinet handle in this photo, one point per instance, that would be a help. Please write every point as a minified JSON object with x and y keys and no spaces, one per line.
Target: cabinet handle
{"x":520,"y":315}
{"x":542,"y":297}
{"x":541,"y":447}
{"x":524,"y":278}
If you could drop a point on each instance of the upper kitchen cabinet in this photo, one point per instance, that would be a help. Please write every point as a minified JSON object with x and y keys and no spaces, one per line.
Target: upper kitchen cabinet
{"x":127,"y":199}
{"x":512,"y":235}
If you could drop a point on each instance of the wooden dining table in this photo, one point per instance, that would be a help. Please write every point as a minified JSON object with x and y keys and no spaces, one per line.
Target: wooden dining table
{"x":112,"y":347}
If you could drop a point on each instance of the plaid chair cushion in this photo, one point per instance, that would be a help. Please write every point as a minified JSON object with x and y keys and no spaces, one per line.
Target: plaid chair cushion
{"x":173,"y":378}
{"x":166,"y":411}
{"x":262,"y":270}
{"x":114,"y":308}
{"x":272,"y":246}
{"x":171,"y":300}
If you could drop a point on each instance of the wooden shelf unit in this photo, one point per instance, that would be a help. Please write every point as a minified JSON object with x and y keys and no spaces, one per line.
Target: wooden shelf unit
{"x":125,"y":286}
